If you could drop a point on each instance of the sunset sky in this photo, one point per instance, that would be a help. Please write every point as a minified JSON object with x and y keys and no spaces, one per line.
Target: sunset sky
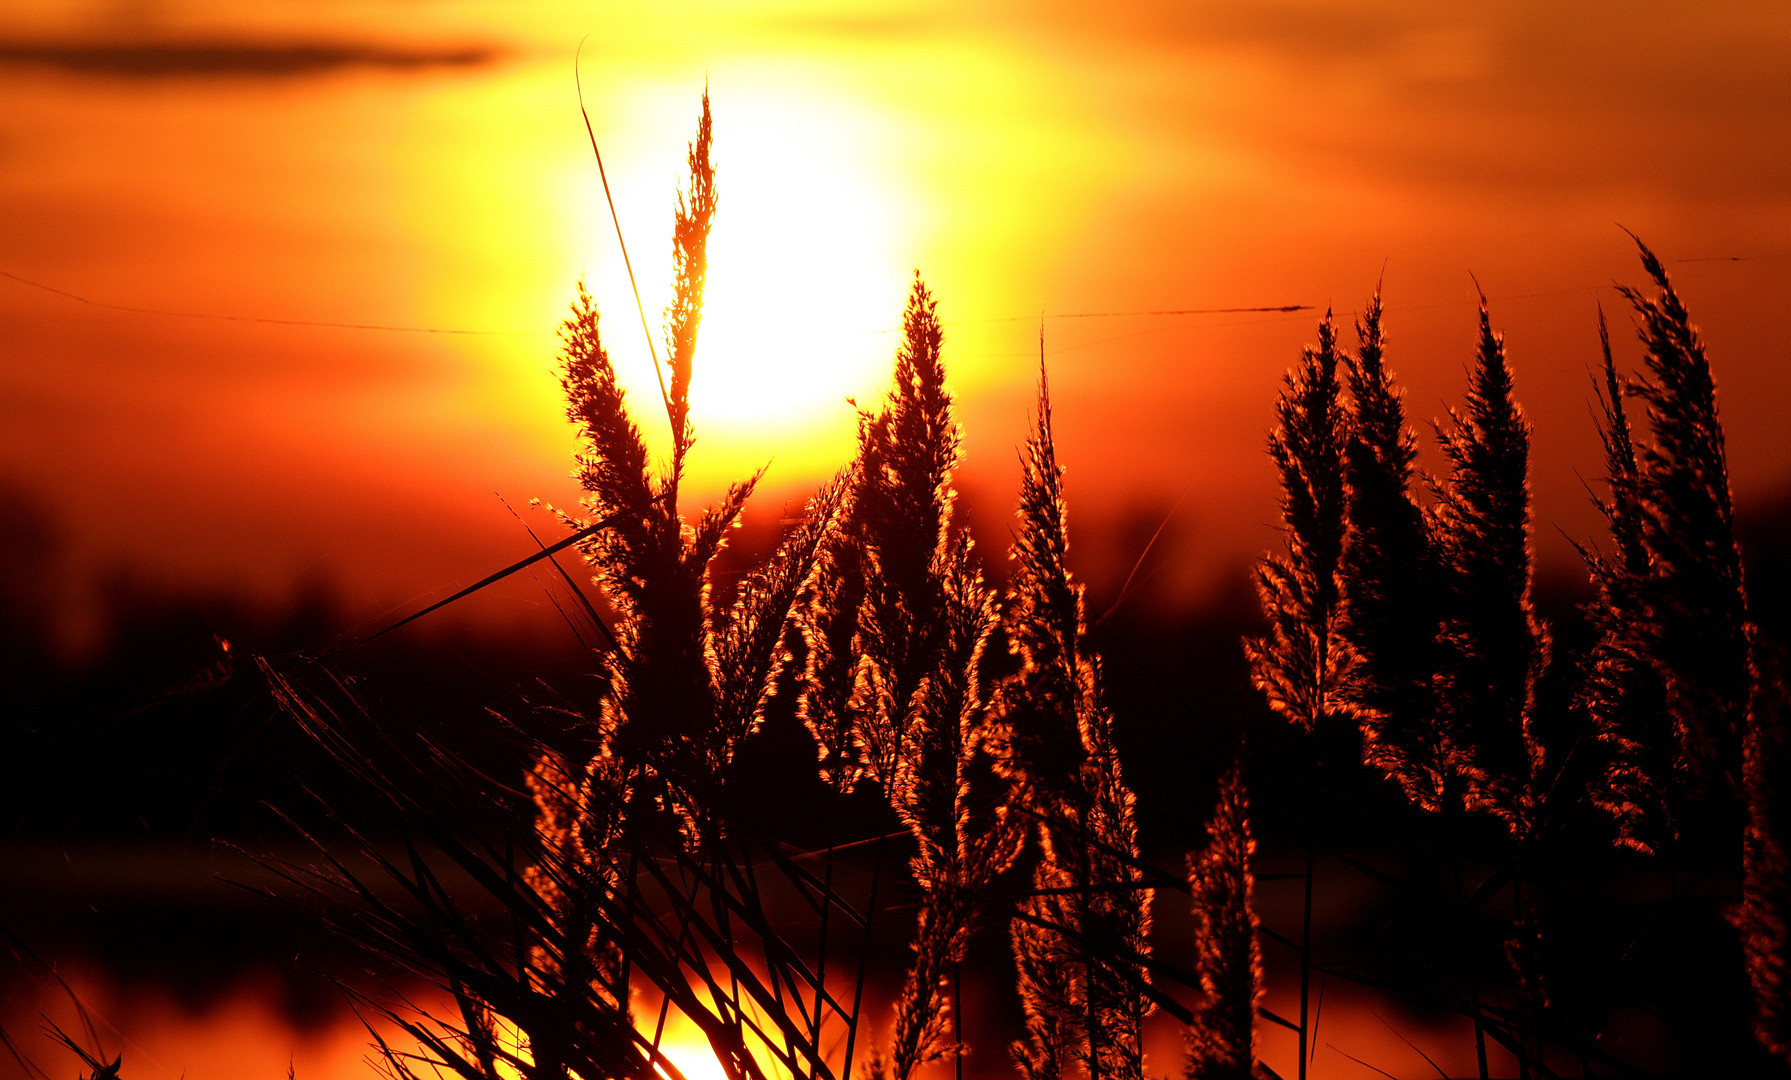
{"x":280,"y":279}
{"x":422,"y":164}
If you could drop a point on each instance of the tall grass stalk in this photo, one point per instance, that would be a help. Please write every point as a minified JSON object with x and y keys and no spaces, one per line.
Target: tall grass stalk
{"x":1392,"y":615}
{"x":1647,"y":778}
{"x":923,"y":619}
{"x":1724,"y":686}
{"x":1080,"y":941}
{"x":1695,"y":603}
{"x":1221,"y":1043}
{"x":1494,"y":648}
{"x":1304,"y":667}
{"x":637,"y":870}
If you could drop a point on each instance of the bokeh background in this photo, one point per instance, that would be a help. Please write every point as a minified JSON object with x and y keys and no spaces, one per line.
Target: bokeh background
{"x":281,"y":279}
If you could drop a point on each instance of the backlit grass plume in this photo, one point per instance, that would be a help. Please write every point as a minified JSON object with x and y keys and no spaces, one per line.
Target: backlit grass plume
{"x":1079,"y":947}
{"x":828,"y":624}
{"x":1391,"y":583}
{"x":1764,"y":916}
{"x":1227,"y":952}
{"x":685,"y":681}
{"x":690,"y":270}
{"x":1494,"y":648}
{"x":925,"y":619}
{"x":963,"y":841}
{"x":1671,"y":676}
{"x":555,"y":787}
{"x":1302,"y":664}
{"x":1049,"y":976}
{"x":895,"y":628}
{"x":907,"y":451}
{"x":1724,"y":686}
{"x":1647,"y":777}
{"x":873,"y":626}
{"x":1695,"y":603}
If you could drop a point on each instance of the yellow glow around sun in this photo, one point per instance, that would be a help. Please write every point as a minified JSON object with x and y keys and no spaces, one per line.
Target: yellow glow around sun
{"x":816,"y":235}
{"x":682,"y":1043}
{"x":696,"y":1060}
{"x":685,"y":1045}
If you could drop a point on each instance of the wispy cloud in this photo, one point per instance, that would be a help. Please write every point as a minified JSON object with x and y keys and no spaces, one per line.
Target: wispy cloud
{"x":235,"y":59}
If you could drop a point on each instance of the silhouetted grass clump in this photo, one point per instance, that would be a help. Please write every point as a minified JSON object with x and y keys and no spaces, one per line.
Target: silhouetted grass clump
{"x":1402,"y":637}
{"x":1677,"y":704}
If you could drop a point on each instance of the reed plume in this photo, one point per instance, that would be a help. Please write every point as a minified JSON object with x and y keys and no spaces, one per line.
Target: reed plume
{"x":1683,"y":689}
{"x":1763,"y":917}
{"x":1048,"y":975}
{"x":1051,"y":735}
{"x":903,"y":509}
{"x":872,"y":624}
{"x":1302,"y":665}
{"x":1494,"y":648}
{"x":563,"y":828}
{"x":1392,"y":610}
{"x":658,"y":711}
{"x":690,"y":272}
{"x":1227,"y":952}
{"x":827,"y":621}
{"x":964,"y":840}
{"x":895,"y":629}
{"x":1694,"y":598}
{"x":1671,"y":677}
{"x":686,"y":680}
{"x":1724,"y":686}
{"x":1647,"y":778}
{"x":751,"y":655}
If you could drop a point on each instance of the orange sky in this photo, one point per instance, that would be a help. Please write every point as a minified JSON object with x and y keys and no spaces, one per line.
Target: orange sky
{"x":421,"y":163}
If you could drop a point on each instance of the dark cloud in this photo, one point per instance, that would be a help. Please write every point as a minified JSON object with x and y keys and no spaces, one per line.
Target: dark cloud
{"x":219,"y":58}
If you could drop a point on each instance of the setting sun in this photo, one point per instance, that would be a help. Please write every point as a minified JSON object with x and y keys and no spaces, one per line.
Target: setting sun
{"x":806,"y":274}
{"x":802,"y":267}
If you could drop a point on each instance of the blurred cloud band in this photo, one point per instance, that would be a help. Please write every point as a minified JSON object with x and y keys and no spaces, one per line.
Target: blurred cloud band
{"x":201,"y":59}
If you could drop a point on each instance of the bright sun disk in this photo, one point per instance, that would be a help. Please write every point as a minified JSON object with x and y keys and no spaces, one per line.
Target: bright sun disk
{"x":806,"y":273}
{"x":802,"y":275}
